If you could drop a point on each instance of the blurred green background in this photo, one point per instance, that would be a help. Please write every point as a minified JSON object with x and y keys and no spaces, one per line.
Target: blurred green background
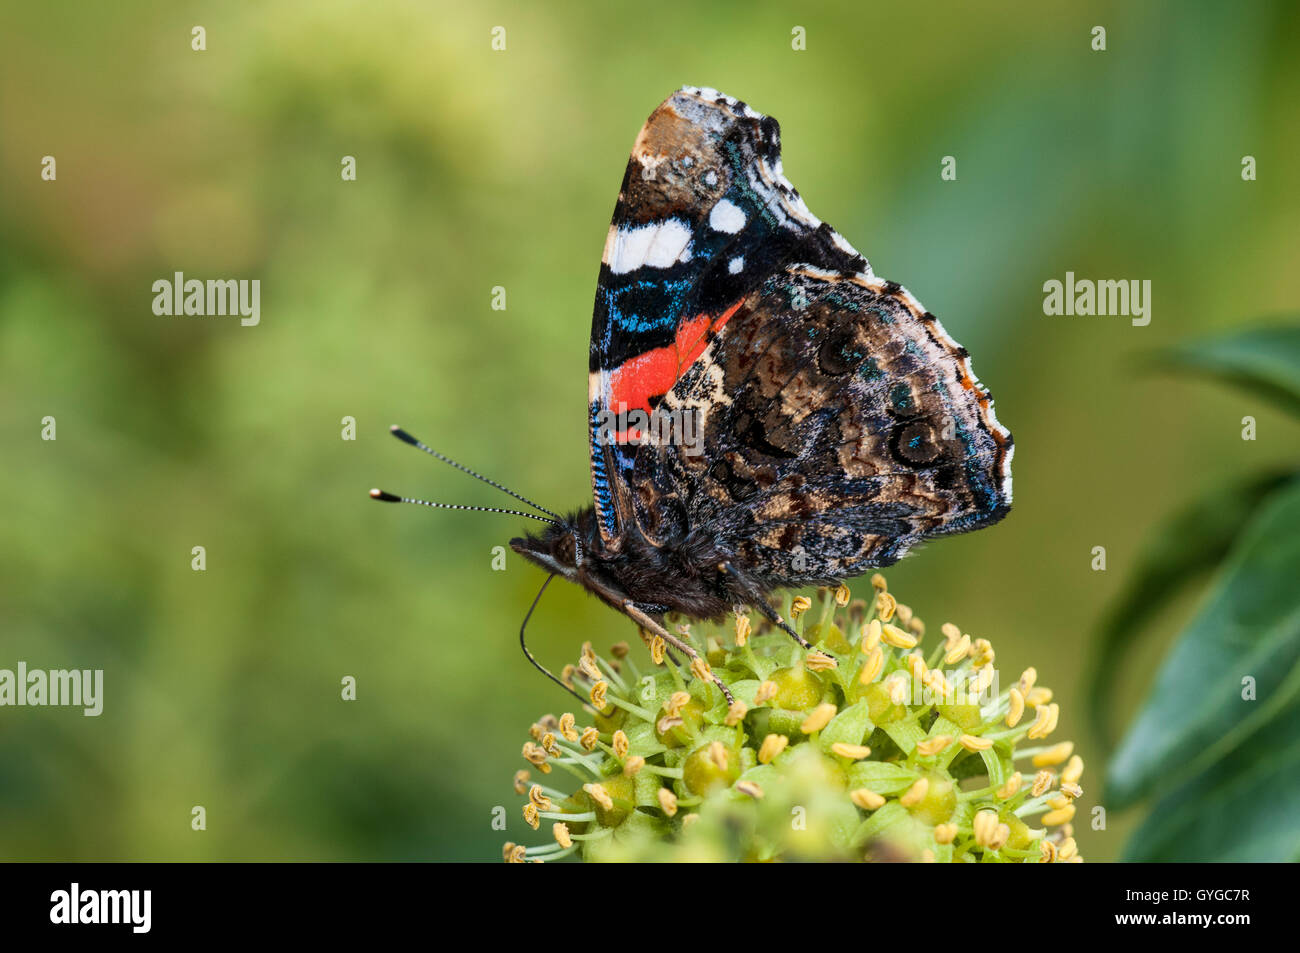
{"x":479,"y":169}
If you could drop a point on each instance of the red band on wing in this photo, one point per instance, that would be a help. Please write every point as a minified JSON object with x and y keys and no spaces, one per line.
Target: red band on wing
{"x":653,"y":374}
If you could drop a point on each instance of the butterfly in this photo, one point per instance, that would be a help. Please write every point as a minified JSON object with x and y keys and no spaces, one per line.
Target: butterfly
{"x":764,"y":411}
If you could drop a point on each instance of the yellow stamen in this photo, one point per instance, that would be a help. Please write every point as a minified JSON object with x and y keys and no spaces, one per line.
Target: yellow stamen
{"x":1071,"y":790}
{"x":742,"y":630}
{"x":958,"y":651}
{"x":885,"y":606}
{"x":590,"y":669}
{"x":985,"y":825}
{"x":589,"y":738}
{"x":1016,"y":708}
{"x":735,"y":714}
{"x":667,"y":723}
{"x":916,"y":793}
{"x":772,"y":746}
{"x":799,"y":606}
{"x":1068,"y":849}
{"x":819,"y":662}
{"x":598,"y":695}
{"x":842,"y":595}
{"x":521,"y":781}
{"x":633,"y":765}
{"x":916,"y":665}
{"x":975,"y":743}
{"x":929,"y":747}
{"x":1044,"y":722}
{"x":700,"y":669}
{"x":667,"y":801}
{"x":598,"y":794}
{"x":982,"y":680}
{"x":1062,"y":815}
{"x":903,"y":614}
{"x":945,"y":833}
{"x":620,"y":744}
{"x":878,"y":582}
{"x":866,"y":799}
{"x":1011,"y":787}
{"x":750,"y":788}
{"x":1043,"y":782}
{"x":568,"y":726}
{"x":1038,"y":696}
{"x":1053,"y":755}
{"x":537,"y":797}
{"x":1046,"y":852}
{"x":896,"y":688}
{"x":875,"y":662}
{"x":766,"y":692}
{"x":936,"y":682}
{"x":951,"y":635}
{"x":819,"y":718}
{"x":657,"y":649}
{"x":893,"y":635}
{"x":1073,"y":771}
{"x":871,"y":634}
{"x":551,"y":746}
{"x":718,"y":755}
{"x":561,"y":832}
{"x":675,"y":703}
{"x":853,"y":752}
{"x":532,"y":816}
{"x":518,"y":854}
{"x":1000,"y":837}
{"x":1027,"y":680}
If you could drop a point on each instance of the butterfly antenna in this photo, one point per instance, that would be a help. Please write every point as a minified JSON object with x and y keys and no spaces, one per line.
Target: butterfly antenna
{"x":405,"y":437}
{"x":385,"y":497}
{"x":536,"y":664}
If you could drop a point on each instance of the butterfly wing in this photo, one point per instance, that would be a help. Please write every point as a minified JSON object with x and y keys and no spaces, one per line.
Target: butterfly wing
{"x":704,"y":216}
{"x":838,"y":426}
{"x":835,"y":423}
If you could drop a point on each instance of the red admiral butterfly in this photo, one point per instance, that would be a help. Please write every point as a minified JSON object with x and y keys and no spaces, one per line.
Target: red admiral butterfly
{"x":765,"y":412}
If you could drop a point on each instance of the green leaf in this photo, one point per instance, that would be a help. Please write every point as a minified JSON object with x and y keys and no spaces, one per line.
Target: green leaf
{"x":1239,"y":809}
{"x":1250,"y":626}
{"x":1189,"y":544}
{"x":1266,"y":360}
{"x":883,"y":777}
{"x":848,"y":727}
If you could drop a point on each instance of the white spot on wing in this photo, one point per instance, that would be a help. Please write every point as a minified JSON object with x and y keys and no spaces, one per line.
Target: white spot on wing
{"x":736,"y":265}
{"x":727,"y":217}
{"x":656,"y":245}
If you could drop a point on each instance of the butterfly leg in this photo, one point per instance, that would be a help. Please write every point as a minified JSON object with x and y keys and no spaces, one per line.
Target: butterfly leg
{"x":648,"y":639}
{"x":780,"y":623}
{"x":641,"y":619}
